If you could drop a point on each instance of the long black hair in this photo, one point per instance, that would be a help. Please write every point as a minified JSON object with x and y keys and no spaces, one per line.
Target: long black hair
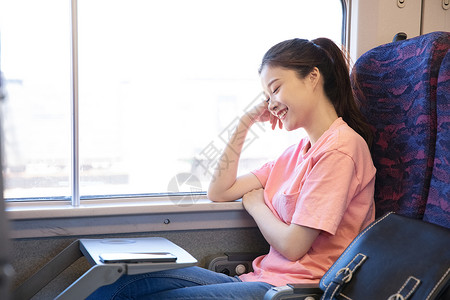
{"x":302,"y":56}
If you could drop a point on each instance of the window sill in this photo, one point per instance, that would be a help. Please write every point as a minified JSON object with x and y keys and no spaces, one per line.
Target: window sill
{"x":59,"y":218}
{"x":106,"y":207}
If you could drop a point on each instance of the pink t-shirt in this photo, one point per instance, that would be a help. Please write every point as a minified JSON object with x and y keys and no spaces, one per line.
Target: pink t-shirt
{"x":328,"y":186}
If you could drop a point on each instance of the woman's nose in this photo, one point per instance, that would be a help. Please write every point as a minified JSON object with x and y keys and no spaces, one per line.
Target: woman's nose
{"x":272,"y":105}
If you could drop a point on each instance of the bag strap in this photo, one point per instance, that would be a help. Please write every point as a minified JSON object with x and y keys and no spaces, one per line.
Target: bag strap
{"x":407,"y":289}
{"x":343,"y":276}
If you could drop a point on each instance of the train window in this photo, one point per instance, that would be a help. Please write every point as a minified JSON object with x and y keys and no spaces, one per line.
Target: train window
{"x":160,"y":84}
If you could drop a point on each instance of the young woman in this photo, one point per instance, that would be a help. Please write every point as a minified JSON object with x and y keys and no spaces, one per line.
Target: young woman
{"x":309,"y":203}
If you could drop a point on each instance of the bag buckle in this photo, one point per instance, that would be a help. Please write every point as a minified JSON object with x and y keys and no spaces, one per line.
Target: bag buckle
{"x":347,"y":272}
{"x":343,"y":276}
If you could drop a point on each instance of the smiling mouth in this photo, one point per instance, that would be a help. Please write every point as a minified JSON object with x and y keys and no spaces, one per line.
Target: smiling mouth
{"x":282,"y":114}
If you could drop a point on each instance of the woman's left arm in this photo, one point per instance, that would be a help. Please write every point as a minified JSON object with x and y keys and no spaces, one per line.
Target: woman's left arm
{"x":292,"y":241}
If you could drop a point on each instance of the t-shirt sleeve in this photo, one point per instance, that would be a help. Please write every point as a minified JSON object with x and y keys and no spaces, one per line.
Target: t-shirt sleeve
{"x":326,"y":192}
{"x":263,"y":173}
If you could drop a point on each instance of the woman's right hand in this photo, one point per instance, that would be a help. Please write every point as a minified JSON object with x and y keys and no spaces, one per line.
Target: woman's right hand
{"x":261,"y":113}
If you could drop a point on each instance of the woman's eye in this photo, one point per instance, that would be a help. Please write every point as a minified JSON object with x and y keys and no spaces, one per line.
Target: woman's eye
{"x":275,"y":90}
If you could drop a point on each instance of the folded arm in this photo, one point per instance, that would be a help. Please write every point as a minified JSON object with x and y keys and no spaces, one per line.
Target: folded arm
{"x":291,"y":240}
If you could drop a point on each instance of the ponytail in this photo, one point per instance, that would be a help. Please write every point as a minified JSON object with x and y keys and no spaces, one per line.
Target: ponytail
{"x":303,"y":55}
{"x":339,"y":90}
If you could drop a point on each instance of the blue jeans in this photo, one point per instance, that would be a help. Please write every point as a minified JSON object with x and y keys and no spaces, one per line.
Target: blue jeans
{"x":186,"y":283}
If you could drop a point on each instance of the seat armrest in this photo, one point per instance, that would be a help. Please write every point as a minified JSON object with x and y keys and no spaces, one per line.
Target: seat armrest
{"x":304,"y":291}
{"x":305,"y":288}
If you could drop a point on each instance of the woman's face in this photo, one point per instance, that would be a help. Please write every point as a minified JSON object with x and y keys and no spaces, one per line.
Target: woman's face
{"x":291,"y":98}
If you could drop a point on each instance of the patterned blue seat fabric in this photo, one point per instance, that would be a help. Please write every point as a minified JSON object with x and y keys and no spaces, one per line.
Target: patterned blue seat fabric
{"x":403,"y":88}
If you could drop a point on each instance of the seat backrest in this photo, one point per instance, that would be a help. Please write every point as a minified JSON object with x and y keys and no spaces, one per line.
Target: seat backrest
{"x":396,"y":84}
{"x":437,"y":210}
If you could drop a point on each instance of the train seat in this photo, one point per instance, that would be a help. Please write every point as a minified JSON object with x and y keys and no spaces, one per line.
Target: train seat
{"x":397,"y":86}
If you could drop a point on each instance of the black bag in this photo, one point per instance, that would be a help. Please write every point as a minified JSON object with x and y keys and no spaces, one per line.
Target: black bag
{"x":393,"y":258}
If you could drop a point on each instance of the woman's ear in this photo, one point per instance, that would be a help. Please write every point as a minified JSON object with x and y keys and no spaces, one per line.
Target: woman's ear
{"x":314,"y":77}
